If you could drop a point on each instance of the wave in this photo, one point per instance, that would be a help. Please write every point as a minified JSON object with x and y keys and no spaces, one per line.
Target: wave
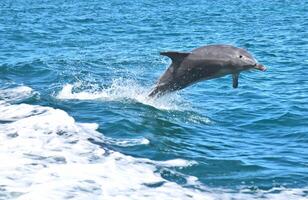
{"x":122,"y":90}
{"x":16,"y":94}
{"x":46,"y":154}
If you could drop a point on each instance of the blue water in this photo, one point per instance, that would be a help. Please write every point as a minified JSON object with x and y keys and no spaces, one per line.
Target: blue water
{"x":96,"y":60}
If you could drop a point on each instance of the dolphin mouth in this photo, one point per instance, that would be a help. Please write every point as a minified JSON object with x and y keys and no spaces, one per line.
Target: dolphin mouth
{"x":260,"y":67}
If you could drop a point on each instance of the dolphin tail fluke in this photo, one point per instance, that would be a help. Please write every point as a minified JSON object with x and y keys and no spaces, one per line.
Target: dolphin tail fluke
{"x":152,"y":93}
{"x":159,"y":90}
{"x":155,"y":92}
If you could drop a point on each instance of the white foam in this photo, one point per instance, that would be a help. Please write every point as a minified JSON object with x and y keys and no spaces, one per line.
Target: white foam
{"x":198,"y":119}
{"x":121,"y":90}
{"x":16,"y":94}
{"x":46,"y":154}
{"x":127,"y":142}
{"x":20,"y":111}
{"x":175,"y":163}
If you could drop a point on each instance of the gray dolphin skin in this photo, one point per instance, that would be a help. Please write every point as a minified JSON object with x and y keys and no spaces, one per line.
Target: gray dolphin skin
{"x":204,"y":63}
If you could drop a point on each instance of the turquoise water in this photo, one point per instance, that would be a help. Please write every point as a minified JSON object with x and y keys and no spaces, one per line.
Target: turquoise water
{"x":76,"y":123}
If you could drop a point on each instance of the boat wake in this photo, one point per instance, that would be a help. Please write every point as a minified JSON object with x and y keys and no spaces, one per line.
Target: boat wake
{"x":46,"y":154}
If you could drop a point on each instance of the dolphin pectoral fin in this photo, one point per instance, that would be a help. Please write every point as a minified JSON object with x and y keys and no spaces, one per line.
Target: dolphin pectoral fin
{"x":176,"y":57}
{"x":235,"y":80}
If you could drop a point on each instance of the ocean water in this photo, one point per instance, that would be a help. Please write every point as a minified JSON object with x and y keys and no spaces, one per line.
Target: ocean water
{"x":76,"y":123}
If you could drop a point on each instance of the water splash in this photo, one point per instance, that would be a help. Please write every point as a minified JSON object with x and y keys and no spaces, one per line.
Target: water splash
{"x":122,"y":90}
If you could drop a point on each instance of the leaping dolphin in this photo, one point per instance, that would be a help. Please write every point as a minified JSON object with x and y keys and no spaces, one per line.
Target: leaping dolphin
{"x":204,"y":63}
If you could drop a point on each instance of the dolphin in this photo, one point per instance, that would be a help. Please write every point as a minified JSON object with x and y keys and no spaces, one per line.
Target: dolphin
{"x":204,"y":63}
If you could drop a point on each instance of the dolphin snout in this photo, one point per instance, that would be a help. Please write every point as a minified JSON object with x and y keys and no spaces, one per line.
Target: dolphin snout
{"x":260,"y":67}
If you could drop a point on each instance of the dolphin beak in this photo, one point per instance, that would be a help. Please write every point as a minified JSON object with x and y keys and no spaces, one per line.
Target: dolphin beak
{"x":260,"y":67}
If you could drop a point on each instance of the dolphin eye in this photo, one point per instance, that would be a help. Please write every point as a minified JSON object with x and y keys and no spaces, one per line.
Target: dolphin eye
{"x":240,"y":56}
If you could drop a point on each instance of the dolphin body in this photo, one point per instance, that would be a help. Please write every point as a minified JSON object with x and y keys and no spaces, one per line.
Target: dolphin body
{"x":204,"y":63}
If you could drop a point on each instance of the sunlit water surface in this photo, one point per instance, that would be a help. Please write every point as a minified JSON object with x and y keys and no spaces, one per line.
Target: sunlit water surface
{"x":75,"y":120}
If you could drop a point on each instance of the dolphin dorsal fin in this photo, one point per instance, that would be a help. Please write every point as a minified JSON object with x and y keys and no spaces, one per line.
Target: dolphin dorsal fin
{"x":176,"y":57}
